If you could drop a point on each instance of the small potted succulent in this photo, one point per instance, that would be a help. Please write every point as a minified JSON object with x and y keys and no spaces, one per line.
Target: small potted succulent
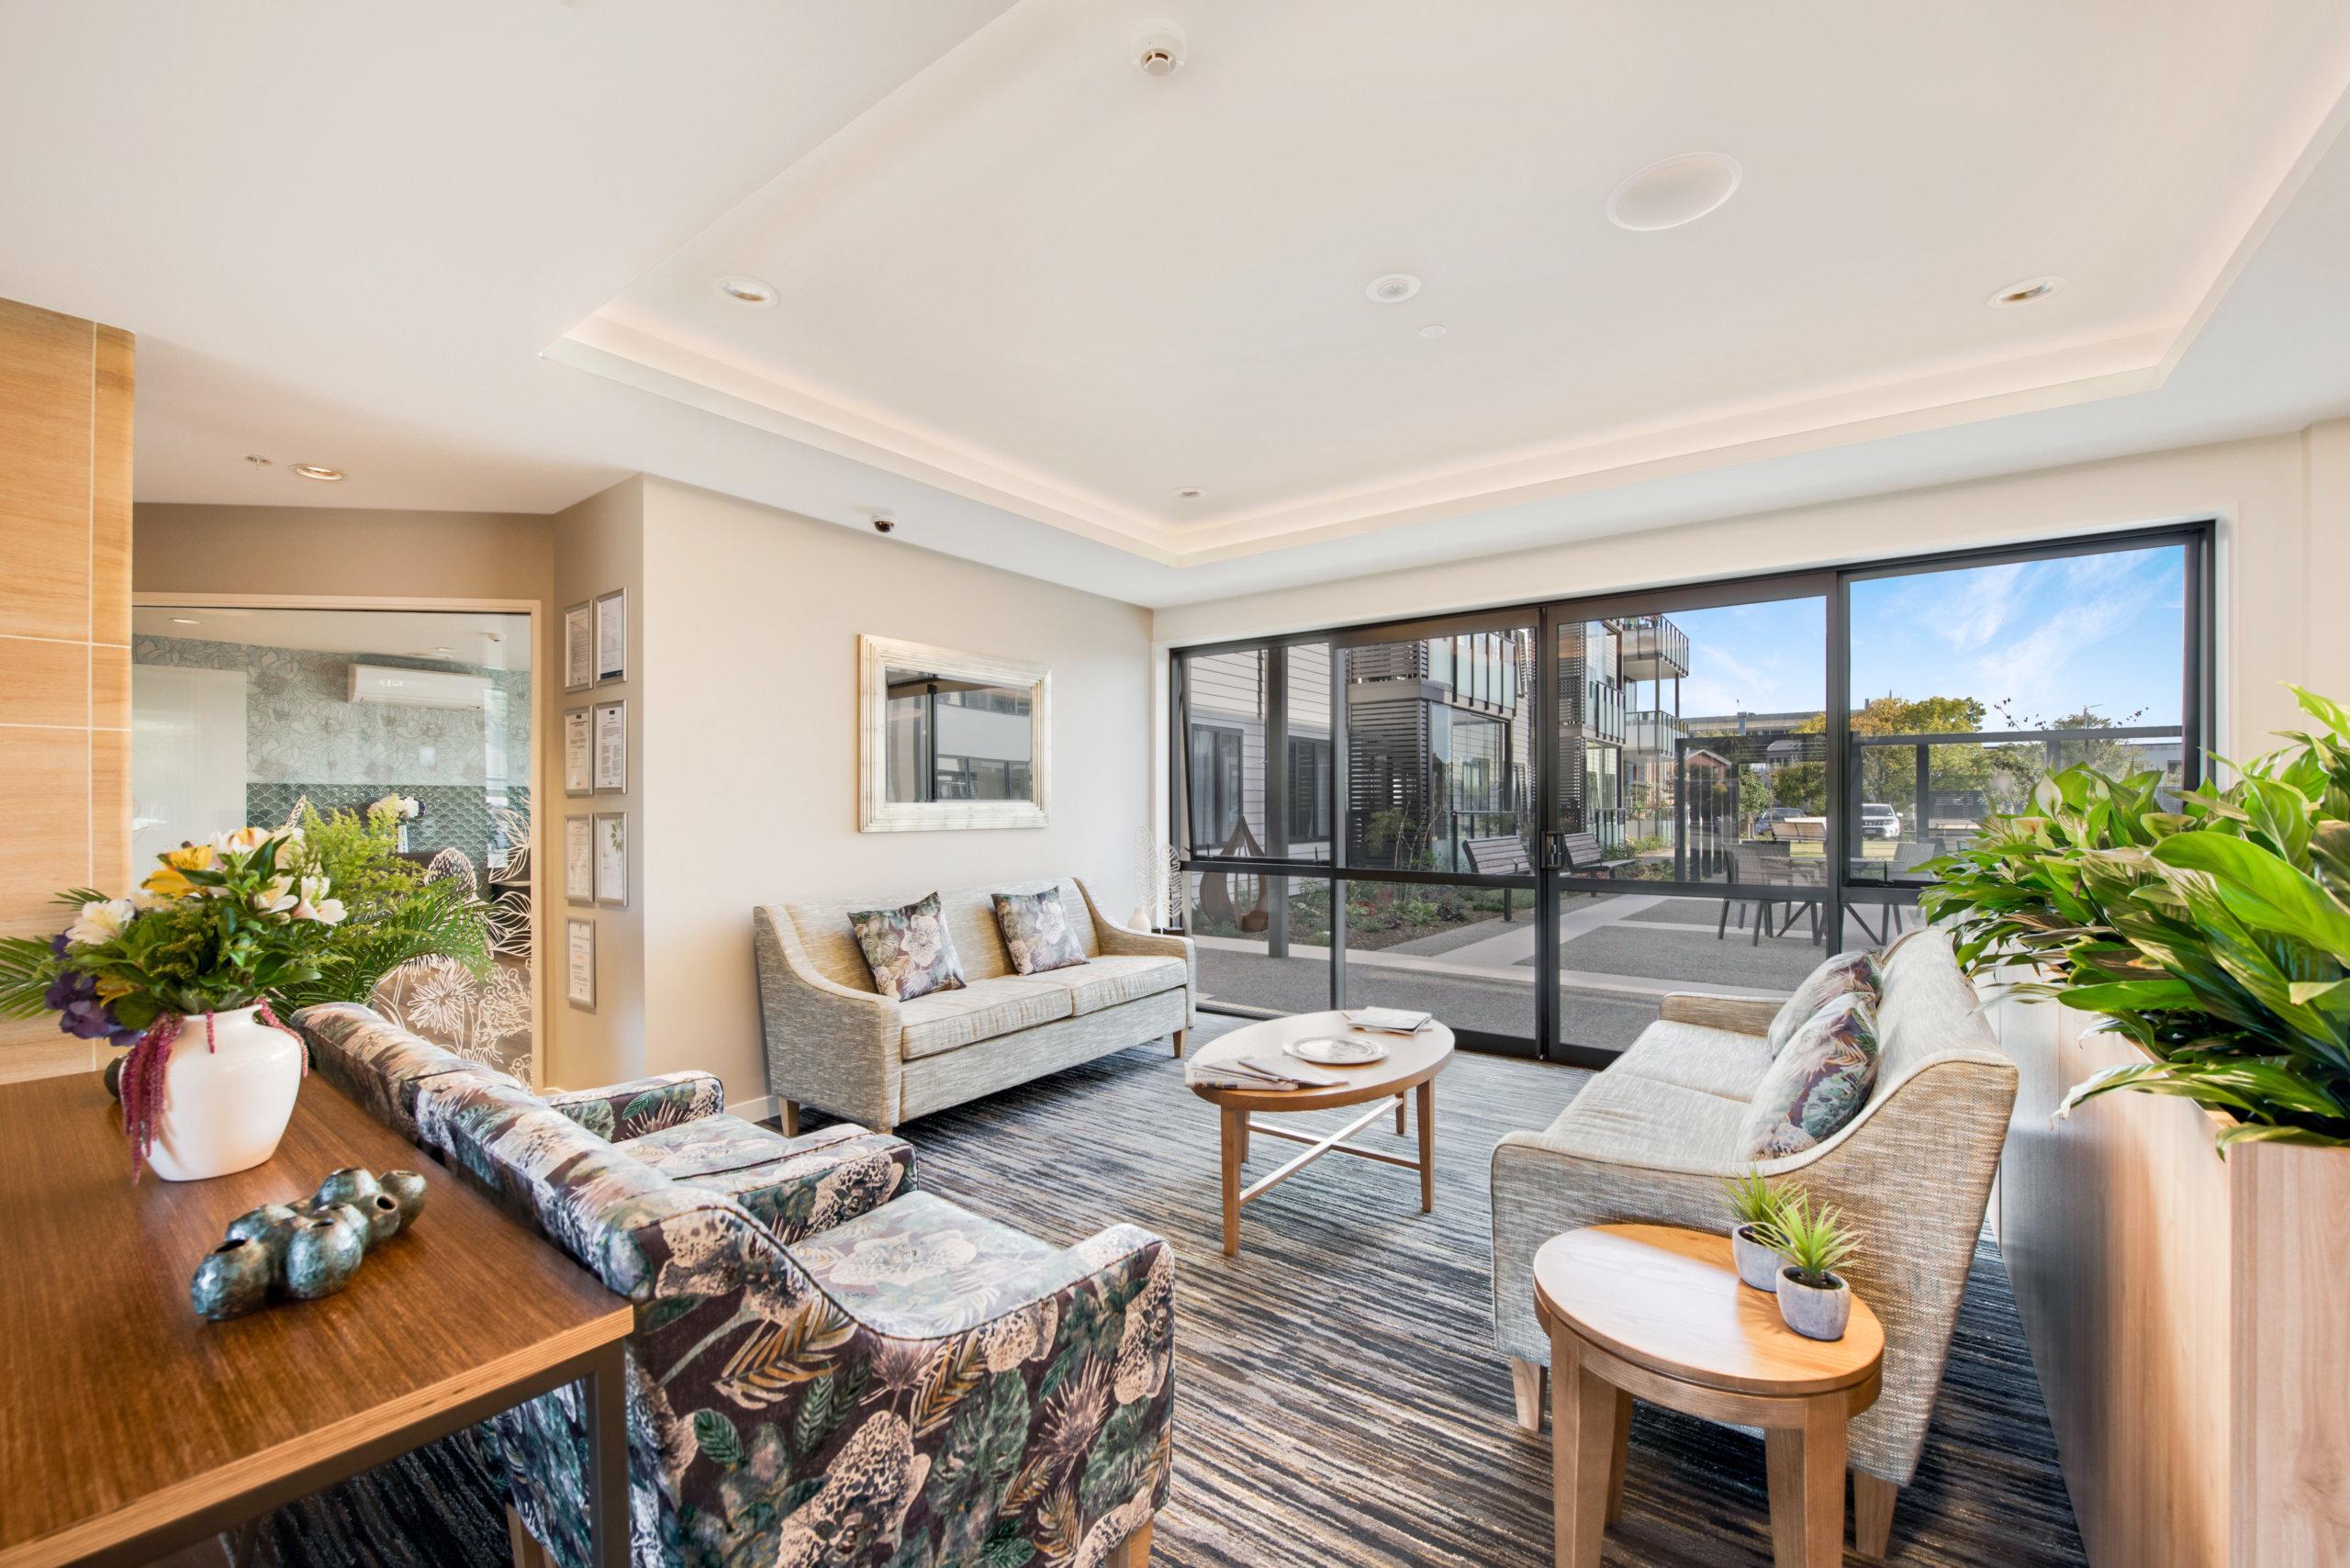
{"x":1814,"y":1299}
{"x":1757,"y":1205}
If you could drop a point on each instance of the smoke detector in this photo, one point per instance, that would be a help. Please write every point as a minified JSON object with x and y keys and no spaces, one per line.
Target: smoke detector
{"x":1158,"y":48}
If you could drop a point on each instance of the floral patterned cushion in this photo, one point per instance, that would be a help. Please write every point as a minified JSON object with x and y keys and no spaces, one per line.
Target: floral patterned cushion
{"x":1035,"y":928}
{"x":908,"y":950}
{"x":793,"y":1186}
{"x":1818,"y":1082}
{"x":621,"y":1111}
{"x":1859,"y":971}
{"x":380,"y":1064}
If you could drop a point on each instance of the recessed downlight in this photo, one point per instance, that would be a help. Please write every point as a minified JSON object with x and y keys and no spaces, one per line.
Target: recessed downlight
{"x":1433,"y":331}
{"x":2025,"y":292}
{"x":748,"y":291}
{"x":317,"y":471}
{"x":1392,"y":289}
{"x":1675,"y":191}
{"x":185,"y":621}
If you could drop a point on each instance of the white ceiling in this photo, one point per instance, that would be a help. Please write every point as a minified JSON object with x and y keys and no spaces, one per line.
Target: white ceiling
{"x":1028,"y":292}
{"x":470,"y":637}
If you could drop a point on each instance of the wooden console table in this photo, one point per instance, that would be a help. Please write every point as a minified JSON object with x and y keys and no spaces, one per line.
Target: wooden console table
{"x":132,"y":1427}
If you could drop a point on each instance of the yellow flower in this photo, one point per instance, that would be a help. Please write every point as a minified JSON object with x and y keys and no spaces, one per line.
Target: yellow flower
{"x":114,"y":990}
{"x":170,"y":883}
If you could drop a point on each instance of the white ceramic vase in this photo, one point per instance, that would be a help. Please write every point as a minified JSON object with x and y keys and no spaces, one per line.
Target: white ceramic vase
{"x":227,"y":1097}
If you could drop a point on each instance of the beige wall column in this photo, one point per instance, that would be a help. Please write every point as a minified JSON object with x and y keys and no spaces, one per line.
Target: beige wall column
{"x":65,"y":412}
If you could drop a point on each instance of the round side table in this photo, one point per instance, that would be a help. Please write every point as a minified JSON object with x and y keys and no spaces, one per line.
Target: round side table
{"x":1655,"y":1312}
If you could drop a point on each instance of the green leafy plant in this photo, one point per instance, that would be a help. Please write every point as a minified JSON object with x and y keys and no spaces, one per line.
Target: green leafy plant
{"x":219,"y":926}
{"x":1755,"y":1201}
{"x":1814,"y":1239}
{"x":396,"y":914}
{"x":2216,"y":937}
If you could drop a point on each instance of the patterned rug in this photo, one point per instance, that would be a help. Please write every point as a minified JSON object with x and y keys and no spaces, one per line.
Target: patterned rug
{"x":1339,"y":1401}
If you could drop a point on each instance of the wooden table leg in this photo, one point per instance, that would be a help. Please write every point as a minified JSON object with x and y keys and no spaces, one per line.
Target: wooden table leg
{"x":1235,"y":1140}
{"x":1622,"y":1442}
{"x":1805,"y":1463}
{"x":607,"y":1401}
{"x":1582,"y":1429}
{"x":1401,"y":1102}
{"x":1428,"y":1146}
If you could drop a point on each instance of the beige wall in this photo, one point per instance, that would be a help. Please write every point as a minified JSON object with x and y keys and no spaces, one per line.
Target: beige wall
{"x":599,"y":546}
{"x":65,"y":419}
{"x":751,"y":622}
{"x":2283,"y":502}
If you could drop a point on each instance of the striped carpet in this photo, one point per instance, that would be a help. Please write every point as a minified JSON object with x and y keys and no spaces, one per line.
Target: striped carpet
{"x":1339,"y":1401}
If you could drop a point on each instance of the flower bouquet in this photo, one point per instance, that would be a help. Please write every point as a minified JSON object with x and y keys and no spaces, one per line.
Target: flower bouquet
{"x":207,"y":940}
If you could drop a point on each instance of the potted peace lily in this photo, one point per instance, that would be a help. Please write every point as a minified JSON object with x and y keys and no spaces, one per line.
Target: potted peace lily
{"x":1758,"y":1206}
{"x":1814,"y":1299}
{"x":182,"y":971}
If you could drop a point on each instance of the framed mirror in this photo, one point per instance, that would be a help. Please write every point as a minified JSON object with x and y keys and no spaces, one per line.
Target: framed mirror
{"x":949,"y":741}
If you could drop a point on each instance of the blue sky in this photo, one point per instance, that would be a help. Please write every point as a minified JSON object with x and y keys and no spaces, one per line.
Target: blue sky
{"x":2048,"y":637}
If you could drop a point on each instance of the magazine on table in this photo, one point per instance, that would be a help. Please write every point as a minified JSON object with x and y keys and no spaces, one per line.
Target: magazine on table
{"x":1259,"y":1072}
{"x":1389,"y":1020}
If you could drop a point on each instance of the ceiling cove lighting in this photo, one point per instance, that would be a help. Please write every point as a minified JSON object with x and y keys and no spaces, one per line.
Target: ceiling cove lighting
{"x":2024,"y":293}
{"x":319,"y":472}
{"x":1675,"y":191}
{"x":748,"y":291}
{"x":1392,"y":289}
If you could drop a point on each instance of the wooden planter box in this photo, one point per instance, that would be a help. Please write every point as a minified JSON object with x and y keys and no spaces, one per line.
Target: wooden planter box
{"x":2188,"y":1317}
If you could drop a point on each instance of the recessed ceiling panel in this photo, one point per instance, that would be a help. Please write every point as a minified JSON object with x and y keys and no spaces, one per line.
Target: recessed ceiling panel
{"x":1041,"y":277}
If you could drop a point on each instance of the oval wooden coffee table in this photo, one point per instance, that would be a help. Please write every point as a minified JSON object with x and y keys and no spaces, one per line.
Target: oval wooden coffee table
{"x":1654,"y":1312}
{"x":1410,"y":1066}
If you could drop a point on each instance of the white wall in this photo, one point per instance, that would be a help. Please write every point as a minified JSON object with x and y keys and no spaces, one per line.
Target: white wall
{"x":2283,"y":503}
{"x":748,"y":740}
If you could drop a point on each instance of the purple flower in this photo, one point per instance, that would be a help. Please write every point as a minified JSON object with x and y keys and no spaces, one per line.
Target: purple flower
{"x":79,"y":1014}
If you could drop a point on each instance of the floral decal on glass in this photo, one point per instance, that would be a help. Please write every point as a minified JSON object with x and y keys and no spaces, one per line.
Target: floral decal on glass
{"x":907,"y":949}
{"x":1817,"y":1084}
{"x":1035,"y":928}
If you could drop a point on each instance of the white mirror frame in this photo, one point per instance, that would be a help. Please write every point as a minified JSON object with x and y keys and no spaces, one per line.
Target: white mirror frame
{"x":876,"y":813}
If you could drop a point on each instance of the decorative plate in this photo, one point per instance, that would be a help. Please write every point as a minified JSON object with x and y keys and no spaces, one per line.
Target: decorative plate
{"x":1331,"y":1051}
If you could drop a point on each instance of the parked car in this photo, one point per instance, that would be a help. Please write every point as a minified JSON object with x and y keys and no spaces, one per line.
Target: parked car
{"x":1879,"y":820}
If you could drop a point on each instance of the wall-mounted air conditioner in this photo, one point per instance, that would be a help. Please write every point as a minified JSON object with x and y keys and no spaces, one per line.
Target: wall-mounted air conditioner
{"x":417,"y":688}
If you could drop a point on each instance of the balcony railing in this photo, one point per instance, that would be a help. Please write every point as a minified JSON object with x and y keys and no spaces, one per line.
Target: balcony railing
{"x":1648,"y":730}
{"x":1654,"y":648}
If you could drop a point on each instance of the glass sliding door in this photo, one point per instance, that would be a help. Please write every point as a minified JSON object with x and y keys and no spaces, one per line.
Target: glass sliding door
{"x":1690,"y":818}
{"x":1257,"y":783}
{"x":1537,"y":821}
{"x":1440,"y":808}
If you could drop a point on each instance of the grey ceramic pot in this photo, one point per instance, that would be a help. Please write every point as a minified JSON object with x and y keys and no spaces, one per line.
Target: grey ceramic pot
{"x":233,"y":1279}
{"x":352,"y":1185}
{"x":407,"y":1189}
{"x":1812,"y":1312}
{"x":384,"y":1218}
{"x":270,"y":1220}
{"x":322,"y":1255}
{"x":1758,"y":1262}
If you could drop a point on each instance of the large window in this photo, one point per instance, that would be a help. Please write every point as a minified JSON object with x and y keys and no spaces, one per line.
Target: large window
{"x":1537,"y":822}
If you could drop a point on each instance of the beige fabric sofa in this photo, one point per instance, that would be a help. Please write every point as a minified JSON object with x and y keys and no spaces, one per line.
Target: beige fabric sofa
{"x":834,"y":1043}
{"x":1651,"y":1137}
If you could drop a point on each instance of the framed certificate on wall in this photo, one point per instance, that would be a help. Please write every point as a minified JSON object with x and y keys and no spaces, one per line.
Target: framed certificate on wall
{"x":579,"y":751}
{"x":611,"y":858}
{"x":611,"y":636}
{"x":578,"y":649}
{"x":579,"y":860}
{"x":579,"y":964}
{"x":611,"y":747}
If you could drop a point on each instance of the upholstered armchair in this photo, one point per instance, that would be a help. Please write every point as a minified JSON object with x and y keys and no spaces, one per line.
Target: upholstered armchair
{"x":829,"y":1367}
{"x":902,"y":1382}
{"x":1653,"y":1136}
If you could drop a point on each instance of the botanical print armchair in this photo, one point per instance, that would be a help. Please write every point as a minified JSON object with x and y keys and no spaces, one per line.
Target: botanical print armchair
{"x":887,"y":1382}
